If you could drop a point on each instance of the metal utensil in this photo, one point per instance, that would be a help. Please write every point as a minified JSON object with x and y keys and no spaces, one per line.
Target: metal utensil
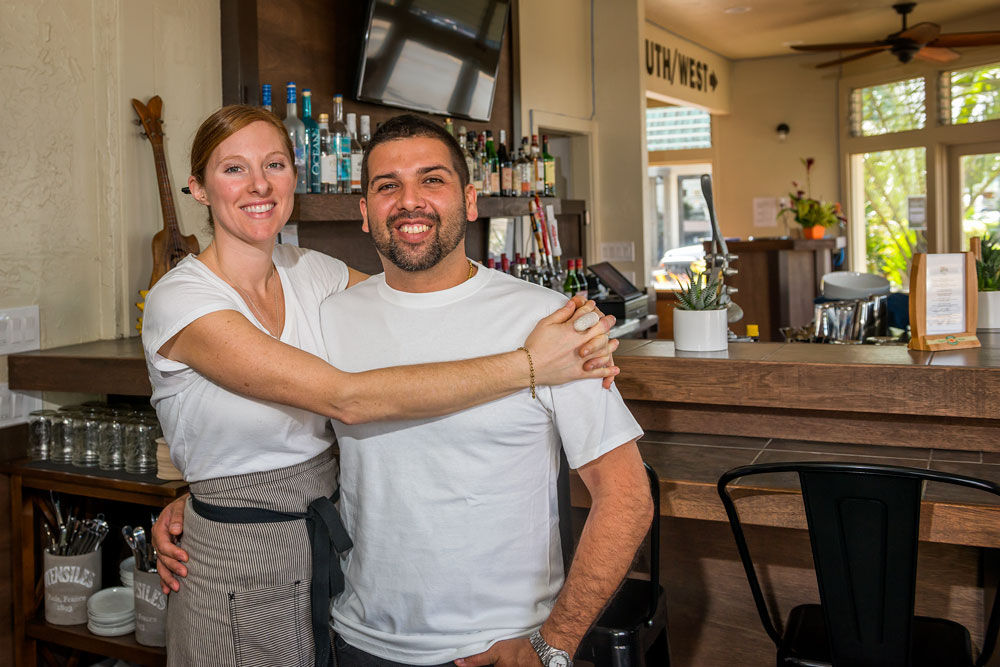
{"x":141,"y":548}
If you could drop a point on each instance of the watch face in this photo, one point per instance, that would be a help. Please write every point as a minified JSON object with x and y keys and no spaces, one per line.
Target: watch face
{"x":558,"y":661}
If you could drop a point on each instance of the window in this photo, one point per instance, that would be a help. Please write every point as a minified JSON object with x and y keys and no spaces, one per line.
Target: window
{"x":891,"y":107}
{"x":970,"y":95}
{"x":677,"y":128}
{"x":681,"y":222}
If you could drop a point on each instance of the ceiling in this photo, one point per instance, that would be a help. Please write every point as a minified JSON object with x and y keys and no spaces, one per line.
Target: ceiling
{"x":771,"y":25}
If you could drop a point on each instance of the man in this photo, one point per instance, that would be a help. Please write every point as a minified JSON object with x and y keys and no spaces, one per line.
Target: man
{"x":455,"y":524}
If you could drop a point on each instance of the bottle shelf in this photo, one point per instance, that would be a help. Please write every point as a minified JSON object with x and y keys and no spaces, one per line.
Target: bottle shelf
{"x":346,"y":208}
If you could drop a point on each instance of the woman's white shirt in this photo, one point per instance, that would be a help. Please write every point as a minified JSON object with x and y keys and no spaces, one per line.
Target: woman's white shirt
{"x":214,"y":432}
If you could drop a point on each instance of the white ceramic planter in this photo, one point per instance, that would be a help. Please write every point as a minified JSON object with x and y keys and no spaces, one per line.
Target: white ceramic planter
{"x":701,"y":330}
{"x":988,"y":311}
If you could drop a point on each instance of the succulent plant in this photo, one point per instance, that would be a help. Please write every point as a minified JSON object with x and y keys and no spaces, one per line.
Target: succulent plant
{"x":701,"y":292}
{"x":988,"y":268}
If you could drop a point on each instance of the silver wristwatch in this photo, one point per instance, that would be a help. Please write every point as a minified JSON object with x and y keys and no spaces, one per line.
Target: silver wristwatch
{"x":550,"y":657}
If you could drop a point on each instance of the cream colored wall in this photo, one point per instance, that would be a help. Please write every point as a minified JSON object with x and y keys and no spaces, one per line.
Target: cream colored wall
{"x":80,"y":191}
{"x":554,"y":59}
{"x":750,"y":161}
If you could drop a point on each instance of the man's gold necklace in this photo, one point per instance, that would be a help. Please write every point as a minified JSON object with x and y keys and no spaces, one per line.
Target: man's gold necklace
{"x":472,"y":268}
{"x":250,"y":301}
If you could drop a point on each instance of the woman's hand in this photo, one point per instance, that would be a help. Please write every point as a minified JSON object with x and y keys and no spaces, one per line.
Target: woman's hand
{"x":170,"y":557}
{"x":557,"y":348}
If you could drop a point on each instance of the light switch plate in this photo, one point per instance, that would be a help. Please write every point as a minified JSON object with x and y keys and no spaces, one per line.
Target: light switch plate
{"x":16,"y":405}
{"x":19,"y":330}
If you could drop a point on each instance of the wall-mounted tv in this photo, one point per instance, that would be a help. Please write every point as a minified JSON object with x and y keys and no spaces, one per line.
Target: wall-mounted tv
{"x":437,"y":56}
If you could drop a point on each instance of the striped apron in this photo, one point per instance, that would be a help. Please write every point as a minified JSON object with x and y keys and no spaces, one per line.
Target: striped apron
{"x":247,"y":598}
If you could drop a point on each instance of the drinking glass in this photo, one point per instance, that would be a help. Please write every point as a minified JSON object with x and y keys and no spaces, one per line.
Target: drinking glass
{"x":40,"y":433}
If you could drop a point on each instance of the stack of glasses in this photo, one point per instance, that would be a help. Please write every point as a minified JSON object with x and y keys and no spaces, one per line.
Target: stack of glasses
{"x":111,"y":437}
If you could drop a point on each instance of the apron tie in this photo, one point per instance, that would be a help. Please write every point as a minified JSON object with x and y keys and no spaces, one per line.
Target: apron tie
{"x":327,"y":535}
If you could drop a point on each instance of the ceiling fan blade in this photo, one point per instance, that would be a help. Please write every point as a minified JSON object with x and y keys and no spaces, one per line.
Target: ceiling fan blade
{"x":922,"y":33}
{"x":936,"y":54}
{"x":845,"y":46}
{"x":856,"y":56}
{"x":968,"y":39}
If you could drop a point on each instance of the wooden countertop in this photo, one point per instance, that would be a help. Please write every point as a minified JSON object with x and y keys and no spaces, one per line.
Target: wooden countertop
{"x":843,"y":378}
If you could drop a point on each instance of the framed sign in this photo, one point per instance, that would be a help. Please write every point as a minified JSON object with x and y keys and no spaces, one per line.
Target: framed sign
{"x":943,"y":300}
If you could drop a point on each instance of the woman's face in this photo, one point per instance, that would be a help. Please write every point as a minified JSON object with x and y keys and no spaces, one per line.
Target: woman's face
{"x":249,"y":183}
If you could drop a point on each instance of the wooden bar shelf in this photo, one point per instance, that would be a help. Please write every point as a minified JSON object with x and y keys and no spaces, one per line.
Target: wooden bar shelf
{"x":346,"y":208}
{"x":78,"y":637}
{"x":100,"y":367}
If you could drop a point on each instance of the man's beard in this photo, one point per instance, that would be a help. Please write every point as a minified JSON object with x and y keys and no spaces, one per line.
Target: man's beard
{"x":446,"y":238}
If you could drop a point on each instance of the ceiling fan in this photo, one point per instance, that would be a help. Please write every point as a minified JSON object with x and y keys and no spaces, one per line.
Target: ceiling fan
{"x":923,"y":41}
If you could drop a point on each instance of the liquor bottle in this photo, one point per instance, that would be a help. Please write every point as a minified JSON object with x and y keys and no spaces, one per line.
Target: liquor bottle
{"x":463,"y":144}
{"x":537,"y":168}
{"x":297,"y":134}
{"x":570,"y":286}
{"x":515,"y":173}
{"x":525,"y":168}
{"x":494,"y":162}
{"x":504,"y":263}
{"x":449,"y":126}
{"x":356,"y":153}
{"x":366,"y":131}
{"x":313,"y":182}
{"x":549,"y":161}
{"x":265,"y":96}
{"x":581,"y":279}
{"x":341,"y":140}
{"x":484,"y":165}
{"x":515,"y":269}
{"x":476,"y":170}
{"x":327,"y":158}
{"x":558,"y":275}
{"x":491,"y":263}
{"x":506,"y":167}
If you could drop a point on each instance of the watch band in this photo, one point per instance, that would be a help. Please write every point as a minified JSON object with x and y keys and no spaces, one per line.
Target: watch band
{"x":549,"y":655}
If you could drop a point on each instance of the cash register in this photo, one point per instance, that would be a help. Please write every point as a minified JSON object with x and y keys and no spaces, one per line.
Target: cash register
{"x":620,"y":298}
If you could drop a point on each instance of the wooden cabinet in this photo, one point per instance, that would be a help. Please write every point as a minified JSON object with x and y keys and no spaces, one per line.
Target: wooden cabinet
{"x":115,"y":367}
{"x":778,"y":280}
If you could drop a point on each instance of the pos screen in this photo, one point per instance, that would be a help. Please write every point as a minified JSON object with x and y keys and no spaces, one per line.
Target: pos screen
{"x":614,"y":280}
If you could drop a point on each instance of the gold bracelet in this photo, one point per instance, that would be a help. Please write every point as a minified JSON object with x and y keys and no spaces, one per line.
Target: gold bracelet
{"x":531,"y":369}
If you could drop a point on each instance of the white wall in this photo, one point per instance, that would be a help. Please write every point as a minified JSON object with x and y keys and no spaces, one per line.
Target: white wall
{"x":749,"y":159}
{"x":80,"y":191}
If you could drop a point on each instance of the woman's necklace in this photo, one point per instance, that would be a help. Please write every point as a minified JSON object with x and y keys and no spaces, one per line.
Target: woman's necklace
{"x":253,"y":306}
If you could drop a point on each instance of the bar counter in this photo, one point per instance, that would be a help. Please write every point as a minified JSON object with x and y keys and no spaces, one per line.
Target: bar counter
{"x":756,"y":402}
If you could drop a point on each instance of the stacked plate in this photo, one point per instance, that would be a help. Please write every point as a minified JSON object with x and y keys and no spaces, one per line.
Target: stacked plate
{"x":111,"y":612}
{"x":126,"y":571}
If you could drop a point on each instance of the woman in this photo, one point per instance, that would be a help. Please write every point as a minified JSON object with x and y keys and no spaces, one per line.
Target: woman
{"x":234,"y":353}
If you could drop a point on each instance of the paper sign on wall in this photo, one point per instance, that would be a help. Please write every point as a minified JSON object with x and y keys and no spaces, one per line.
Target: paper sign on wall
{"x":765,"y":211}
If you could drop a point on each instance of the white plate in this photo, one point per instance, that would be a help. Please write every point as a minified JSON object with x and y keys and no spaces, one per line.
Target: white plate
{"x":116,"y":631}
{"x":111,"y":602}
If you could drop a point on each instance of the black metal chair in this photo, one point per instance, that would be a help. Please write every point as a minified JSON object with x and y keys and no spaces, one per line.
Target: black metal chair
{"x":632,"y":629}
{"x":863,"y":525}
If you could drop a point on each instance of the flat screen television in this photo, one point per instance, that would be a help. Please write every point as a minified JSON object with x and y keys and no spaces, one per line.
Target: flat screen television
{"x":436,"y":56}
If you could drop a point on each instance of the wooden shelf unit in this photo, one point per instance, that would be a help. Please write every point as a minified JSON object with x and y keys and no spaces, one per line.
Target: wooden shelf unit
{"x":29,"y":482}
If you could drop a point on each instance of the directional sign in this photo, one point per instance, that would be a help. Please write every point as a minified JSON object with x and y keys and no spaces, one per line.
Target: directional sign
{"x":681,"y":72}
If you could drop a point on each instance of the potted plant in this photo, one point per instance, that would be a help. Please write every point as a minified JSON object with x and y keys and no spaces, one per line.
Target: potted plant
{"x":814,"y":215}
{"x":700,"y":319}
{"x":988,"y":280}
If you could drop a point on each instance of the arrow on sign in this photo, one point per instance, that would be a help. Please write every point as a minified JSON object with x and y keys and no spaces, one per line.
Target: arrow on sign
{"x":713,"y":81}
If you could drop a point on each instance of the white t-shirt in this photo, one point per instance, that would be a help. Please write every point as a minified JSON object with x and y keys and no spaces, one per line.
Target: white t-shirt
{"x":455,"y":519}
{"x":214,"y":432}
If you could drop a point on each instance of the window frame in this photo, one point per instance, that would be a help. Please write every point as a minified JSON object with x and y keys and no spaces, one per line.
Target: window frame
{"x":935,"y":137}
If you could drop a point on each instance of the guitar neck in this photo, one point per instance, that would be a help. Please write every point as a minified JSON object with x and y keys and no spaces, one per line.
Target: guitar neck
{"x":166,"y":196}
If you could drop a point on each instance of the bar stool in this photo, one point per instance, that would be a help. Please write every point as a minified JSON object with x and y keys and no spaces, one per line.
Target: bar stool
{"x":863,"y":526}
{"x":632,"y":630}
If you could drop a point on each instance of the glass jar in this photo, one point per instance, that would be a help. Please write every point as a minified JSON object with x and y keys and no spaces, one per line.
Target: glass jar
{"x":111,"y":451}
{"x":140,"y":445}
{"x":63,"y":434}
{"x":40,"y":433}
{"x":87,"y":438}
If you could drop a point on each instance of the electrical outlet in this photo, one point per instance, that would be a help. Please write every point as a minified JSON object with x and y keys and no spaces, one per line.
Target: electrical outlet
{"x":19,"y":330}
{"x":16,"y":405}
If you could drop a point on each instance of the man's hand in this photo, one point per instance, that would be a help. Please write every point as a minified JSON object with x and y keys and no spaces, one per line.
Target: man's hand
{"x":506,"y":653}
{"x":169,"y":556}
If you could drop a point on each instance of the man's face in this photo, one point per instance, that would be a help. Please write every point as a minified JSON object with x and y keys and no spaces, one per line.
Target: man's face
{"x":415,"y":208}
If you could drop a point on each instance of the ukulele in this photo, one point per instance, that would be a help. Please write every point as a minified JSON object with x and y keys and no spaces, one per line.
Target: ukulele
{"x":169,"y":246}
